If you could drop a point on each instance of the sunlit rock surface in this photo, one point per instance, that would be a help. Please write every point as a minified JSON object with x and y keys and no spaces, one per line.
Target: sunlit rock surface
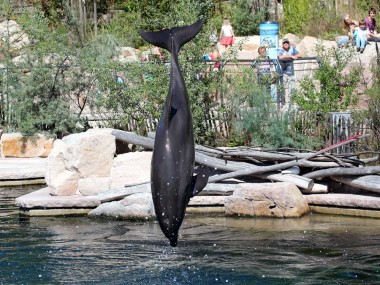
{"x":130,"y":168}
{"x":22,"y":168}
{"x":280,"y":200}
{"x":42,"y":199}
{"x":135,"y":206}
{"x":11,"y":33}
{"x":17,"y":145}
{"x":79,"y":156}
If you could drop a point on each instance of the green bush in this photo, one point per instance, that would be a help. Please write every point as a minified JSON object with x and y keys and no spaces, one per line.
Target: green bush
{"x":246,"y":16}
{"x":258,"y":121}
{"x":330,"y":89}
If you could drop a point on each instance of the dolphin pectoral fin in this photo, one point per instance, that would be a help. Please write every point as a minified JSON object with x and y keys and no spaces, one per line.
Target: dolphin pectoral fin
{"x":200,"y":179}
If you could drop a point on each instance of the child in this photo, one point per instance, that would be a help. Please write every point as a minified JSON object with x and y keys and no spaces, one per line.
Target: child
{"x":226,"y":34}
{"x":349,"y":26}
{"x":265,"y":73}
{"x":361,"y":34}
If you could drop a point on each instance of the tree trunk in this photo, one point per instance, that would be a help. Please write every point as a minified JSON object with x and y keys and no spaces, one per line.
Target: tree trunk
{"x":95,"y":19}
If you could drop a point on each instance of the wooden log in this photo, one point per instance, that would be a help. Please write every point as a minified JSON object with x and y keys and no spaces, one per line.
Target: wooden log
{"x":339,"y":171}
{"x":132,"y":138}
{"x":237,"y":168}
{"x":317,"y":189}
{"x":300,"y":181}
{"x":262,"y":169}
{"x":367,"y":182}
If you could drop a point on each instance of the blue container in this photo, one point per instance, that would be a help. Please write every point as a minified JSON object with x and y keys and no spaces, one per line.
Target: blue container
{"x":269,"y":37}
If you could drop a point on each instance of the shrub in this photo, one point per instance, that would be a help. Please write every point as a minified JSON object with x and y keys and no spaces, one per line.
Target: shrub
{"x":258,"y":122}
{"x":330,"y":89}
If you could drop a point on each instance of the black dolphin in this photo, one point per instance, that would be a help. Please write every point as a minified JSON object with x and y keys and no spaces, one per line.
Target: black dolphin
{"x":173,"y":181}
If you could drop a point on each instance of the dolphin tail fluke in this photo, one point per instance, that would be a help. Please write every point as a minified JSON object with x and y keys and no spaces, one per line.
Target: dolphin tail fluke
{"x":172,"y":39}
{"x":200,"y":179}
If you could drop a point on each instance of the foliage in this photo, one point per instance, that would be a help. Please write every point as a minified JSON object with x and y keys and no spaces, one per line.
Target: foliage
{"x":258,"y":121}
{"x":296,"y":14}
{"x":51,"y":84}
{"x":330,"y":89}
{"x":146,"y":83}
{"x":373,"y":111}
{"x":246,"y":16}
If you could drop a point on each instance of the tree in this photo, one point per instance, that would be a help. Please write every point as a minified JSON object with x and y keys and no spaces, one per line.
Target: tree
{"x":247,"y":15}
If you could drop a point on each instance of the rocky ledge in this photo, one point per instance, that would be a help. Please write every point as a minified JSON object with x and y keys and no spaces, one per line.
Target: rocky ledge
{"x":80,"y":181}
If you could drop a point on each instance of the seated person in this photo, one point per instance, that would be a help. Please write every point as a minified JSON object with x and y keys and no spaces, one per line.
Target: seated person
{"x":361,"y":36}
{"x":370,"y":22}
{"x":213,"y":57}
{"x":288,"y":52}
{"x":349,"y":26}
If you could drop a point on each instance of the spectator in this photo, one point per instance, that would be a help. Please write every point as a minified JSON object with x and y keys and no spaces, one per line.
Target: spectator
{"x":349,"y":26}
{"x":226,"y":34}
{"x":370,"y":22}
{"x":265,"y":72}
{"x":213,"y":59}
{"x":288,"y":52}
{"x":361,"y":34}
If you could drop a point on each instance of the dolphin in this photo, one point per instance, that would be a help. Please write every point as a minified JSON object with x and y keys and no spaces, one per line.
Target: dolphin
{"x":173,"y":177}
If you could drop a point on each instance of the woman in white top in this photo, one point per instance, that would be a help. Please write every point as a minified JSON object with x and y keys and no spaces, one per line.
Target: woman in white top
{"x":226,"y":34}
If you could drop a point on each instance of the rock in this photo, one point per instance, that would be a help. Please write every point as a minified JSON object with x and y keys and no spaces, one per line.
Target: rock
{"x":11,"y":32}
{"x":130,"y":168}
{"x":120,"y":193}
{"x":308,"y":45}
{"x":136,"y":206}
{"x":42,"y":199}
{"x":92,"y":186}
{"x":22,"y":168}
{"x":207,"y":201}
{"x":79,"y":156}
{"x":128,"y":54}
{"x":294,"y":40}
{"x":282,"y":200}
{"x":17,"y":145}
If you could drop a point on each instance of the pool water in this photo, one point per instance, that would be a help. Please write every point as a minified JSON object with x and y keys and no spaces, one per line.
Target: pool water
{"x":315,"y":249}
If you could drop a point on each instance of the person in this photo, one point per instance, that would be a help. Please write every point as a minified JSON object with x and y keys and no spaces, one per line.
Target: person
{"x":370,"y":22}
{"x":361,"y":34}
{"x":265,"y":72}
{"x":349,"y":26}
{"x":226,"y":34}
{"x":288,"y":52}
{"x":213,"y":57}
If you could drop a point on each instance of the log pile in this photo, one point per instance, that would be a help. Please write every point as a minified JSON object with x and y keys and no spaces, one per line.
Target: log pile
{"x":310,"y":171}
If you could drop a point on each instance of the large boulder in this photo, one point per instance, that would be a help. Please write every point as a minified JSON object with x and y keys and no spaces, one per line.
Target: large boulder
{"x":282,"y":200}
{"x":308,"y":45}
{"x":11,"y":33}
{"x":80,"y":156}
{"x":17,"y":145}
{"x":130,"y":168}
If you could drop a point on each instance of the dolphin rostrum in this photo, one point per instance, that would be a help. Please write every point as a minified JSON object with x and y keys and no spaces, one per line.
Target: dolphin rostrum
{"x":173,"y":179}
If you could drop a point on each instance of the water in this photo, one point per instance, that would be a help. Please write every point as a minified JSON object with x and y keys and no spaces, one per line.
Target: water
{"x":315,"y":249}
